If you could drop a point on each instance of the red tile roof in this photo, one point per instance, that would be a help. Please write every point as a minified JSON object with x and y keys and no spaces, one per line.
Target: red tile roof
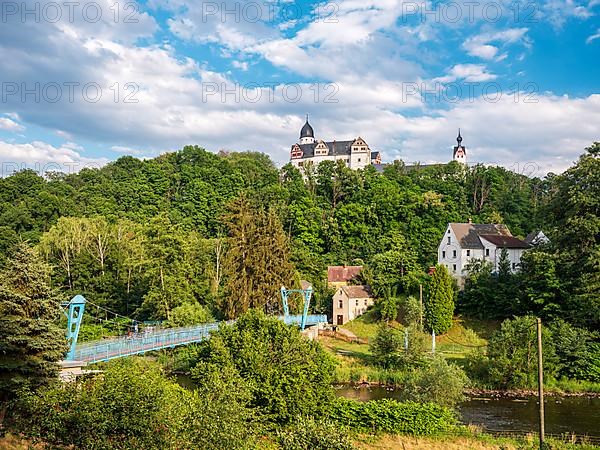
{"x":505,"y":241}
{"x":336,"y":274}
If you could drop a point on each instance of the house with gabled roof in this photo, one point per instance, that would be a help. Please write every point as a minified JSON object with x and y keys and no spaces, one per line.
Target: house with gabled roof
{"x":349,"y":302}
{"x":342,"y":275}
{"x":464,"y":242}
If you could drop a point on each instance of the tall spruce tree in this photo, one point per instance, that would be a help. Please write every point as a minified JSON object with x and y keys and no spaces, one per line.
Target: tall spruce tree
{"x":439,"y":306}
{"x":31,"y":342}
{"x":257,"y":261}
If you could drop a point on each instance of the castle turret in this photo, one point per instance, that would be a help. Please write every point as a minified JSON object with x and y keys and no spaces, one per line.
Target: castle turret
{"x":307,"y":134}
{"x":460,"y":152}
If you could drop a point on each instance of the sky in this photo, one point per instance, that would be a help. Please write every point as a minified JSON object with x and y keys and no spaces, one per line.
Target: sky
{"x":83,"y":83}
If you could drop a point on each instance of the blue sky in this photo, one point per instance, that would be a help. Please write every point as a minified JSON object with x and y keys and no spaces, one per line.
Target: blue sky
{"x":84,"y":86}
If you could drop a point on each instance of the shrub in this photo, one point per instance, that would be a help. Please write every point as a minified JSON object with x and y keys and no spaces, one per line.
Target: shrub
{"x":132,"y":405}
{"x":388,"y":347}
{"x":288,"y":375}
{"x":412,"y":311}
{"x":306,"y":433}
{"x":438,"y":382}
{"x":512,"y":353}
{"x":391,"y":416}
{"x":578,"y":354}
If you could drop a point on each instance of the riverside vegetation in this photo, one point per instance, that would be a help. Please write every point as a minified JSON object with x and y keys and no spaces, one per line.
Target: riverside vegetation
{"x":192,"y":237}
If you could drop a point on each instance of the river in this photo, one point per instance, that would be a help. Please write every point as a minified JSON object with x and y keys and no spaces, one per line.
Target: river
{"x":578,"y":415}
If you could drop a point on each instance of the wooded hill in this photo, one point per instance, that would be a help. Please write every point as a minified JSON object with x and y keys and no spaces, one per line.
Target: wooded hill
{"x":218,"y":233}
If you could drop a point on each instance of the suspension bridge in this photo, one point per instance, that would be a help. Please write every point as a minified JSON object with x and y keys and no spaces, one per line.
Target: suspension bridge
{"x":84,"y":353}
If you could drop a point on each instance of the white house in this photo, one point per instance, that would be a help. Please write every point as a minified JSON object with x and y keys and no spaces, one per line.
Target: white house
{"x":463,"y":242}
{"x":349,"y":302}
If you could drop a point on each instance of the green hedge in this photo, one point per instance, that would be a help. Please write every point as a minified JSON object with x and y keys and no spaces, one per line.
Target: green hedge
{"x":392,"y":416}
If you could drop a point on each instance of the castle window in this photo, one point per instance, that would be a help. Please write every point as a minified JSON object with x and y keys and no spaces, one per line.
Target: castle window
{"x":468,"y":252}
{"x":454,"y":267}
{"x":454,"y":253}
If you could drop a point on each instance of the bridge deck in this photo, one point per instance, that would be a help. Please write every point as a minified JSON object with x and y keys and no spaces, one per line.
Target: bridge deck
{"x":104,"y":350}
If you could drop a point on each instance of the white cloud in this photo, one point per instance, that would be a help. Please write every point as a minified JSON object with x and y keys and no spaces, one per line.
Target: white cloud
{"x":43,"y":157}
{"x":10,"y":125}
{"x":242,"y":65}
{"x":548,"y":135}
{"x":480,"y":45}
{"x":593,"y":37}
{"x":470,"y":73}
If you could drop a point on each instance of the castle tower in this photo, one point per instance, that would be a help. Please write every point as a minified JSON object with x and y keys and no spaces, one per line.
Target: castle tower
{"x":307,"y":134}
{"x":460,"y":152}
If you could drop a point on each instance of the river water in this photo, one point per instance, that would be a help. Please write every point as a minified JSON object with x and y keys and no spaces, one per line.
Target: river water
{"x":578,"y":415}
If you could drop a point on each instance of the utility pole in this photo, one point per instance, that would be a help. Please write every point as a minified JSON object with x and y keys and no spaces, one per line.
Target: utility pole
{"x":421,"y":305}
{"x":540,"y":381}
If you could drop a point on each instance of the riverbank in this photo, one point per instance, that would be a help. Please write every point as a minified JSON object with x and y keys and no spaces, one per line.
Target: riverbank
{"x":527,"y":393}
{"x":555,"y":392}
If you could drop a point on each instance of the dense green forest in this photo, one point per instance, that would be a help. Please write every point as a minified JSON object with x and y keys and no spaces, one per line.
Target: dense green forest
{"x":193,"y":230}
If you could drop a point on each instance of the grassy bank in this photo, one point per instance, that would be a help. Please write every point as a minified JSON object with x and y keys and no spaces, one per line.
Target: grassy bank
{"x":474,"y":442}
{"x":355,"y":362}
{"x":388,"y":441}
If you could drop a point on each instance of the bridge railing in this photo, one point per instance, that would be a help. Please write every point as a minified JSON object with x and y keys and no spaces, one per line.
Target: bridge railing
{"x":108,"y":349}
{"x":311,"y":319}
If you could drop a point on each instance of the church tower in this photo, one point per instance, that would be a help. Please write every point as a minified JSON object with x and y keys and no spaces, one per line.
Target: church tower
{"x":460,"y":152}
{"x":307,"y":135}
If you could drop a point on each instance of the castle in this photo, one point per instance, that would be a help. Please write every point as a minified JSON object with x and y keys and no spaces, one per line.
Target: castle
{"x":356,"y":153}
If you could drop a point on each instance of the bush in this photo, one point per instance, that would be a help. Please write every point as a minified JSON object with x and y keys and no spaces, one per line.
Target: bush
{"x":388,"y":308}
{"x":133,"y":406}
{"x":577,"y":352}
{"x":391,"y":416}
{"x":288,"y":375}
{"x":306,"y":433}
{"x":438,"y":382}
{"x":512,"y":353}
{"x":388,"y":347}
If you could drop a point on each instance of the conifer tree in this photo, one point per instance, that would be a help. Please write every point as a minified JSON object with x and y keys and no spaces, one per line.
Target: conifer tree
{"x":257,"y":261}
{"x":504,"y":271}
{"x":31,"y":342}
{"x":439,"y":306}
